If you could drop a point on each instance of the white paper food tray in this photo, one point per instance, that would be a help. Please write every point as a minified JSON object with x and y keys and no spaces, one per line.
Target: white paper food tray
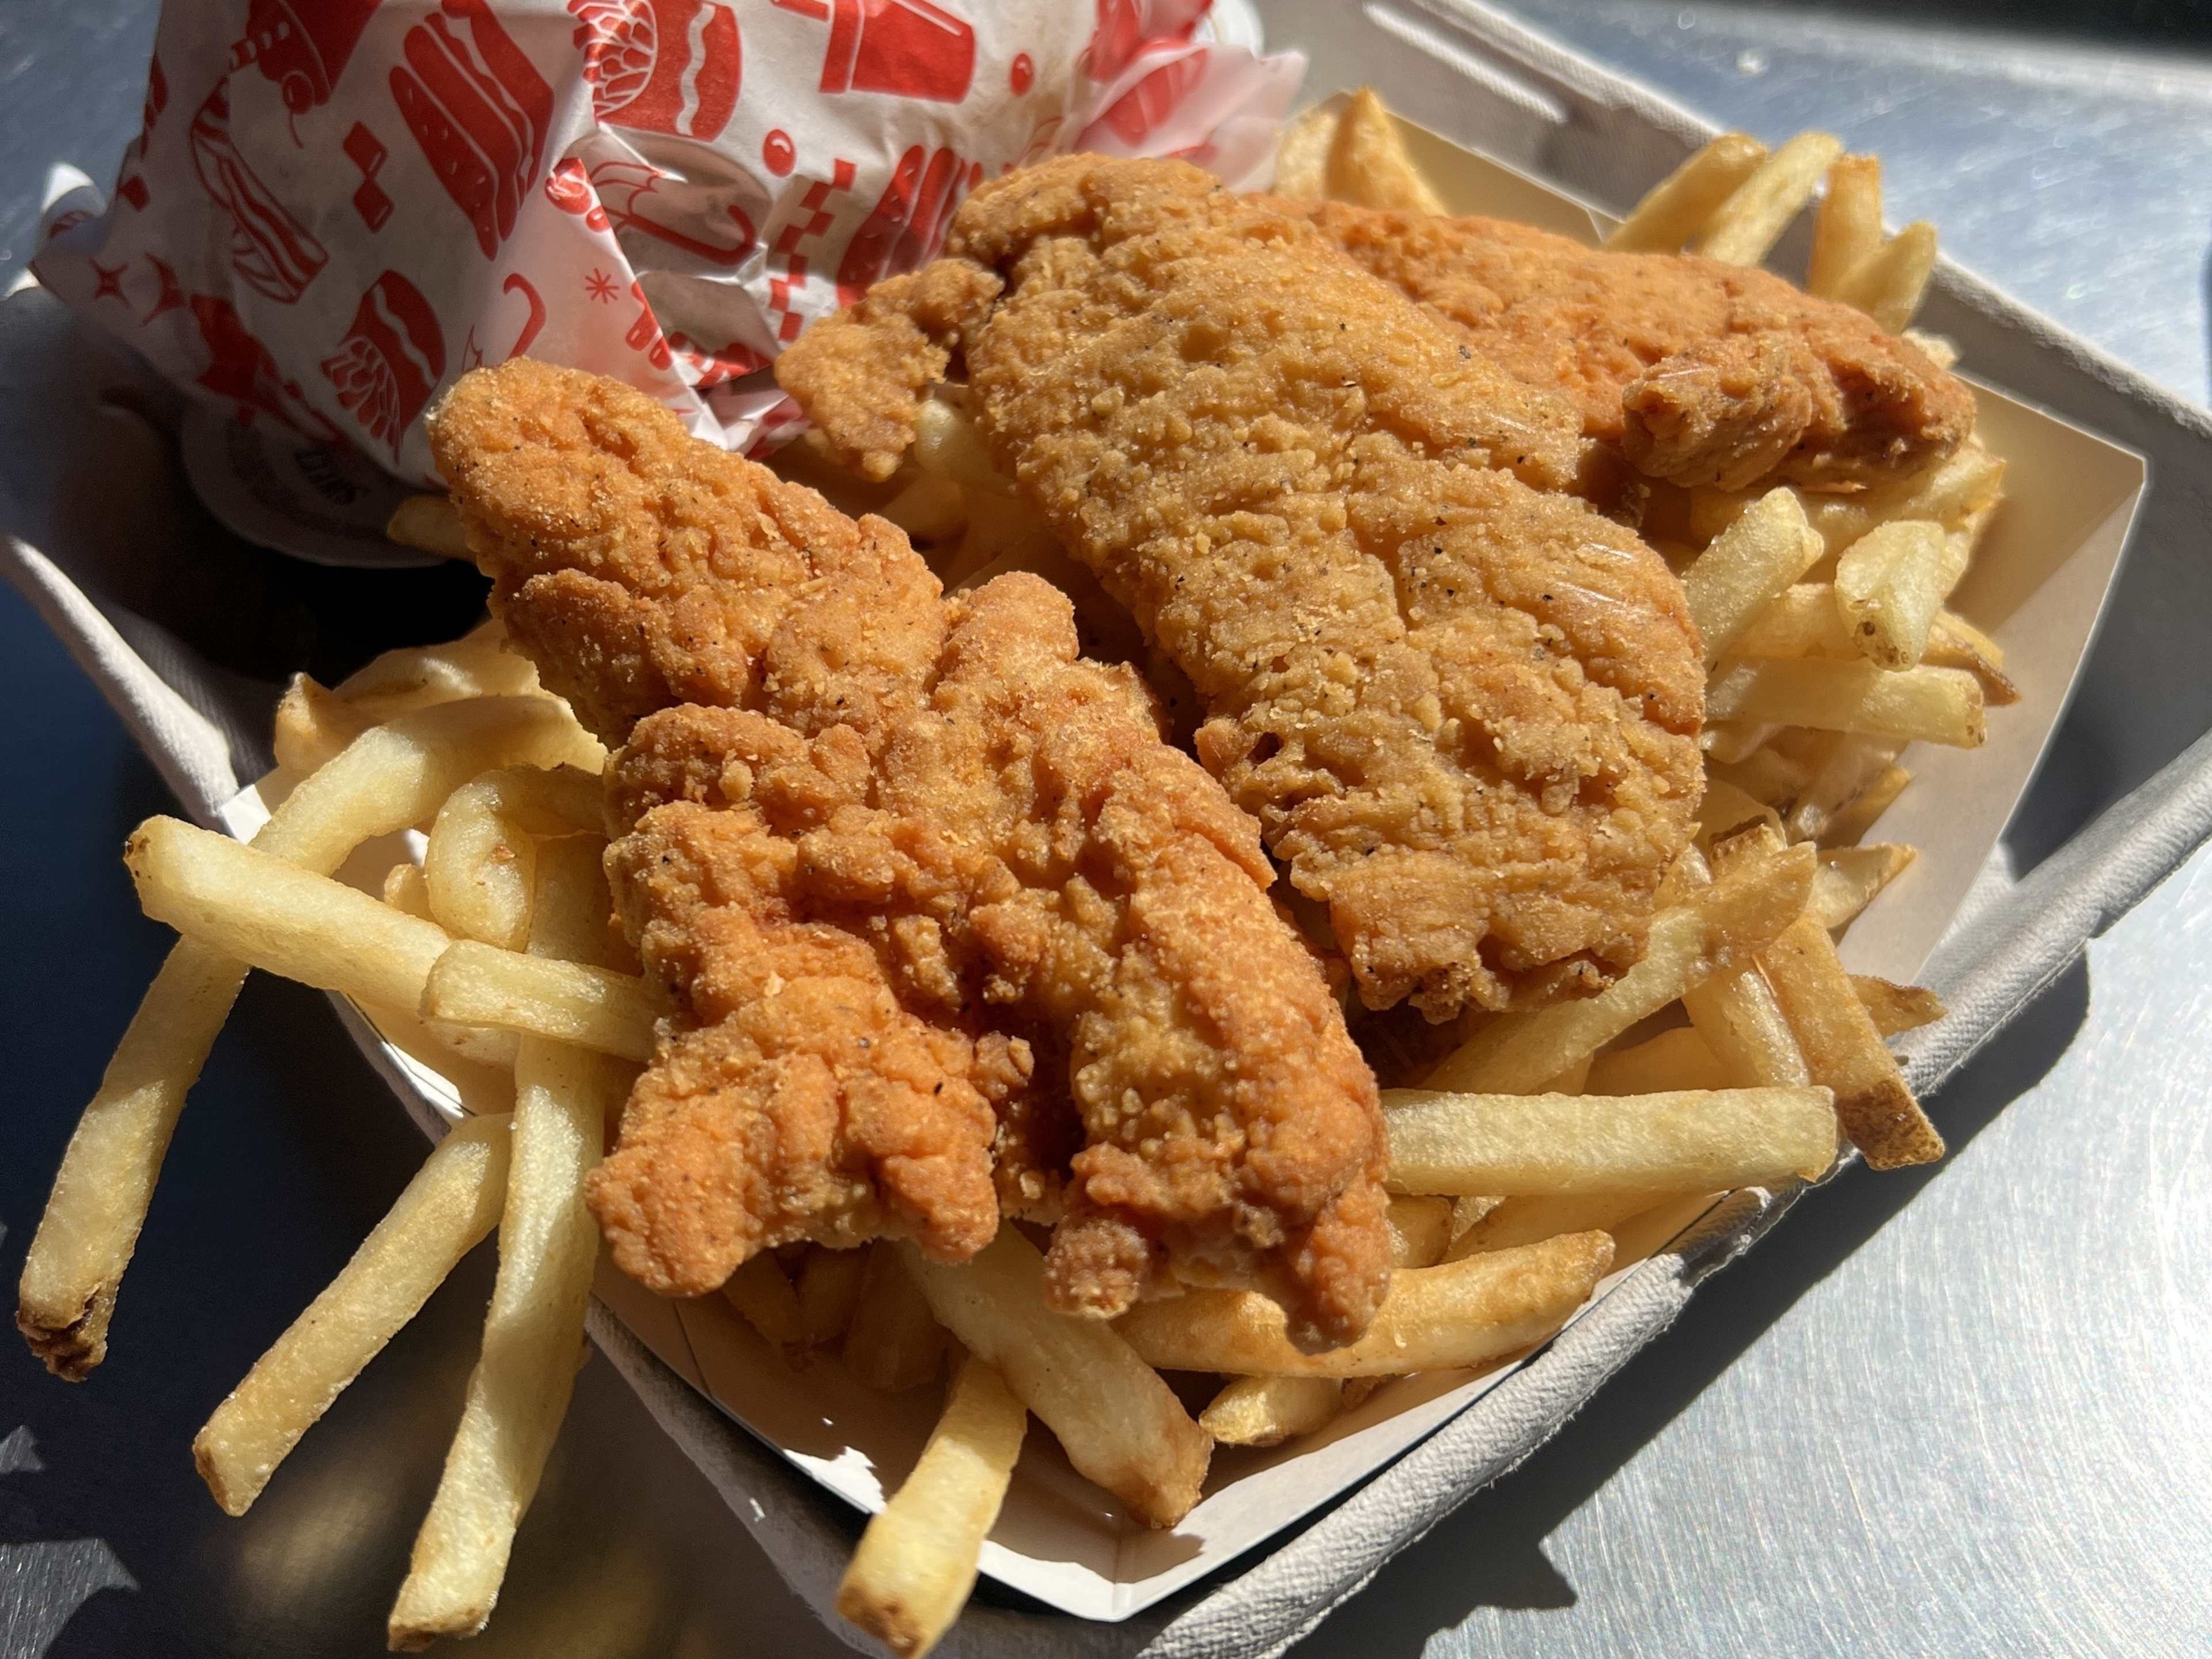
{"x":1487,"y":80}
{"x":2036,"y":585}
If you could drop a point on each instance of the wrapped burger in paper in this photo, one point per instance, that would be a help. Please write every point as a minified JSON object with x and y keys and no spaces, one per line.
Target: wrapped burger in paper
{"x":336,"y":208}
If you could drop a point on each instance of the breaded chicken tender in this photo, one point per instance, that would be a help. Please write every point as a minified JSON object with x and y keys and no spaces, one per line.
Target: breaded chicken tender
{"x":1462,"y":704}
{"x":922,"y":880}
{"x":1701,"y":372}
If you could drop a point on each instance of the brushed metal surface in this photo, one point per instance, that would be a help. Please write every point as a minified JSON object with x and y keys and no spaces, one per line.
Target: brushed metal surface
{"x":1963,"y":1411}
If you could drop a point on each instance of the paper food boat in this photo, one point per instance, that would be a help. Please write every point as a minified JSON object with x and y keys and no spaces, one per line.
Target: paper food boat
{"x":2037,"y":584}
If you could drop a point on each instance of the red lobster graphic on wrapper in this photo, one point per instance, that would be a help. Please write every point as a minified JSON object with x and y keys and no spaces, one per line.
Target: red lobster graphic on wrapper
{"x":479,"y":110}
{"x":271,"y":252}
{"x":908,"y":47}
{"x":391,"y":359}
{"x":907,"y":225}
{"x":670,"y":66}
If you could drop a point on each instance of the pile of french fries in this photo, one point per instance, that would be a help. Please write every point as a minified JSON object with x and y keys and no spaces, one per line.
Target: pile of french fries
{"x":1552,"y":1148}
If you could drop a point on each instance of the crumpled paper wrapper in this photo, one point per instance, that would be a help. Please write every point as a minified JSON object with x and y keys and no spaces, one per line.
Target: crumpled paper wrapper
{"x":336,"y":208}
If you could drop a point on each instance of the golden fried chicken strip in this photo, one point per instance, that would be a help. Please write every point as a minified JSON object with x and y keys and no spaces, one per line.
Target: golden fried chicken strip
{"x":916,"y":835}
{"x":1702,"y":372}
{"x":1462,"y":707}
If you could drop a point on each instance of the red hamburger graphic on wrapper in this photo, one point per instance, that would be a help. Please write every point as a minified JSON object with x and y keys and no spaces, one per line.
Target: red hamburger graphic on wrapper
{"x":672,"y":66}
{"x":479,"y":109}
{"x":391,"y":359}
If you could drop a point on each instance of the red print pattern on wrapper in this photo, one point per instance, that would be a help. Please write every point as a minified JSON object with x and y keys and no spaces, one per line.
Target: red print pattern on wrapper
{"x":627,"y":191}
{"x":907,"y":48}
{"x":787,"y":264}
{"x":480,"y":111}
{"x":366,"y":151}
{"x":644,"y":334}
{"x":670,"y":66}
{"x":907,"y":225}
{"x":715,"y":366}
{"x":301,"y":45}
{"x":391,"y":359}
{"x":169,"y":292}
{"x":569,"y":189}
{"x":241,"y":371}
{"x":131,"y":186}
{"x":271,"y":252}
{"x":1147,"y":104}
{"x":1115,"y":41}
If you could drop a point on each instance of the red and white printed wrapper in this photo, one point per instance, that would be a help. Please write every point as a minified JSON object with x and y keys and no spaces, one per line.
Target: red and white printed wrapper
{"x":336,"y":208}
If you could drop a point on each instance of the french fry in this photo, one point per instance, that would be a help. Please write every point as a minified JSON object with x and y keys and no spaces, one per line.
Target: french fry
{"x":480,"y":868}
{"x":1518,"y":1145}
{"x":1767,"y":775}
{"x":1850,"y":878}
{"x":278,"y":917}
{"x":828,"y":1293}
{"x":1368,"y":164}
{"x":1467,"y":1210}
{"x":1864,"y":809}
{"x":1723,"y":807}
{"x":1728,"y":921}
{"x":1532,"y":1219}
{"x":1848,"y":226}
{"x":1802,"y":621}
{"x":445,"y":1211}
{"x":1744,"y":227}
{"x":1848,"y":763}
{"x":1888,"y":282}
{"x":1265,"y":1411}
{"x":1674,"y":1060}
{"x":313,"y":722}
{"x":473,"y":984}
{"x":429,"y":524}
{"x":1118,"y":1422}
{"x":1950,"y":493}
{"x":1301,"y":154}
{"x":1842,"y":1047}
{"x":1929,"y":705}
{"x":405,"y":890}
{"x":1954,"y":642}
{"x":761,"y":1293}
{"x":1890,"y":584}
{"x":1742,"y":1022}
{"x":1939,"y":350}
{"x":548,"y":1243}
{"x":1432,"y":1319}
{"x":1679,"y":205}
{"x":931,"y":509}
{"x":947,"y":446}
{"x":894,"y":1342}
{"x":1747,"y":565}
{"x":1896,"y":1008}
{"x":1648,"y":1231}
{"x":1729,"y":741}
{"x":1420,"y":1227}
{"x":916,"y":1562}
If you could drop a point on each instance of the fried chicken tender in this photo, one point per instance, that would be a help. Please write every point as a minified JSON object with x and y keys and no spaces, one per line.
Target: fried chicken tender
{"x":918,"y":878}
{"x":1702,"y":372}
{"x":1463,"y":705}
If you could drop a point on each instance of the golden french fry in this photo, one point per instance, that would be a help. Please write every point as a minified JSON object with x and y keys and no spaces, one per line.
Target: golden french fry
{"x":1888,"y":282}
{"x":1467,"y":1210}
{"x":894,"y":1342}
{"x":473,"y":984}
{"x":1118,"y":1422}
{"x":1724,"y":807}
{"x":450,"y":1206}
{"x":1532,"y":1219}
{"x":1368,"y":164}
{"x":1850,"y":878}
{"x":1459,"y":1312}
{"x":1847,"y":765}
{"x":1737,"y":1013}
{"x":278,"y":917}
{"x":1744,"y":227}
{"x":1938,"y":349}
{"x":1848,"y":226}
{"x":916,"y":1562}
{"x":1420,"y":1227}
{"x":1930,"y":705}
{"x":1951,"y":494}
{"x":313,"y":723}
{"x":1648,"y":1231}
{"x":480,"y":868}
{"x":1301,"y":154}
{"x":762,"y":1294}
{"x":1265,"y":1411}
{"x":1842,"y":1047}
{"x":947,"y":446}
{"x":1674,"y":1060}
{"x":1890,"y":582}
{"x":429,"y":524}
{"x":1758,"y":556}
{"x":548,"y":1243}
{"x":1954,"y":642}
{"x":1767,"y":775}
{"x":1802,"y":621}
{"x":1712,"y":927}
{"x":931,"y":509}
{"x":1679,"y":205}
{"x":829,"y":1293}
{"x":1864,"y":809}
{"x":405,"y":890}
{"x":1516,"y":1144}
{"x":1896,"y":1008}
{"x":1729,"y":741}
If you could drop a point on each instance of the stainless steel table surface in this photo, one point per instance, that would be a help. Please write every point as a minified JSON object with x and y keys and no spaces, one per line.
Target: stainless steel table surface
{"x":1960,"y":1411}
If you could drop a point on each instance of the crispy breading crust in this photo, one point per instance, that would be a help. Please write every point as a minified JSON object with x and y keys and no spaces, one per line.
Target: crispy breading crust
{"x":1462,"y":707}
{"x":895,"y":858}
{"x":1702,"y":372}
